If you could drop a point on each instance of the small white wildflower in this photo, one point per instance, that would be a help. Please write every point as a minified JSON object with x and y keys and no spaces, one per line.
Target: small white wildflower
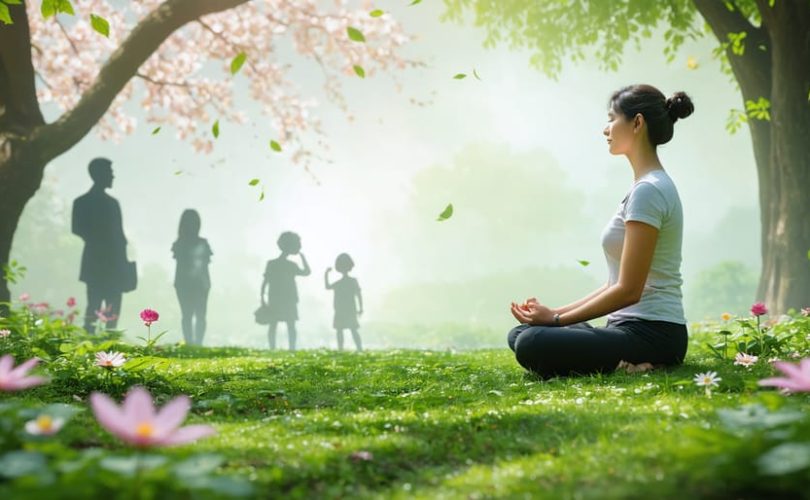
{"x":746,"y":360}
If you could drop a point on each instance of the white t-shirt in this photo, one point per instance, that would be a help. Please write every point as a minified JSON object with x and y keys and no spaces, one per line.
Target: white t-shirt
{"x":653,"y":200}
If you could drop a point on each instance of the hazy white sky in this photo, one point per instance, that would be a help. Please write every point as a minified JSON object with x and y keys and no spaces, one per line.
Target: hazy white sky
{"x":375,"y":156}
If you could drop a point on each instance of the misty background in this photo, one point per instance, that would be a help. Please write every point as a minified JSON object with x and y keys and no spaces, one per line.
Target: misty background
{"x":520,"y":156}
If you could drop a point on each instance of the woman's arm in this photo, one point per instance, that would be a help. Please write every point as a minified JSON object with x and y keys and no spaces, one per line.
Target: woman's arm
{"x":306,"y":270}
{"x":261,"y":292}
{"x":359,"y":300}
{"x":574,"y":305}
{"x":637,"y":256}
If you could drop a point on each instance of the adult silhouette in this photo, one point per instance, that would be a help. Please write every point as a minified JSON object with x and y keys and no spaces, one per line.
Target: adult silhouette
{"x":191,"y":279}
{"x":104,"y":267}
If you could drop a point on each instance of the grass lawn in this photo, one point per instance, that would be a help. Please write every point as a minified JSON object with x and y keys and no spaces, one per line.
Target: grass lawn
{"x":430,"y":424}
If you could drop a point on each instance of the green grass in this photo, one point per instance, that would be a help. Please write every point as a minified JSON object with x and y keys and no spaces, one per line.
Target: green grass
{"x":448,"y":424}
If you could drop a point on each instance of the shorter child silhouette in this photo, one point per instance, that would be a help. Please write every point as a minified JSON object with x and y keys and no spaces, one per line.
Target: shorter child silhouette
{"x":346,"y":308}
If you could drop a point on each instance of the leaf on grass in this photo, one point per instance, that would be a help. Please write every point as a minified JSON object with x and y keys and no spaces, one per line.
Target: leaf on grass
{"x":275,"y":146}
{"x":355,"y":34}
{"x":446,"y":214}
{"x":100,"y":25}
{"x":237,"y":62}
{"x":215,"y":129}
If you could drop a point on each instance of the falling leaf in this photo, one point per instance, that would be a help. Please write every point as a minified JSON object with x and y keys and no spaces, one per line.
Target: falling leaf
{"x":275,"y":146}
{"x":360,"y":71}
{"x":376,"y":13}
{"x":215,"y":129}
{"x":460,"y":76}
{"x":808,"y":255}
{"x":583,"y":263}
{"x":446,"y":214}
{"x":178,"y":172}
{"x":691,"y":62}
{"x":237,"y":62}
{"x":475,"y":74}
{"x":355,"y":34}
{"x":100,"y":25}
{"x":261,"y":196}
{"x":415,"y":2}
{"x":157,"y":129}
{"x":253,"y":182}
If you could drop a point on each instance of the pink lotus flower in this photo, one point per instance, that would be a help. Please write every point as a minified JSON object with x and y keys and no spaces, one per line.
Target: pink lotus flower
{"x":15,"y":379}
{"x":138,"y":423}
{"x":149,"y":316}
{"x":24,"y":297}
{"x":4,"y":333}
{"x":110,"y":359}
{"x":44,"y":425}
{"x":798,"y":376}
{"x":758,"y":309}
{"x":71,"y":302}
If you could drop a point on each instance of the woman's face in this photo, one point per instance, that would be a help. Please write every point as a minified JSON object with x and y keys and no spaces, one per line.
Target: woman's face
{"x":621,"y":132}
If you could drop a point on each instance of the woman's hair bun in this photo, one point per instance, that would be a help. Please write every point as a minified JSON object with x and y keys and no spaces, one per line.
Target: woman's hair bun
{"x":679,"y":105}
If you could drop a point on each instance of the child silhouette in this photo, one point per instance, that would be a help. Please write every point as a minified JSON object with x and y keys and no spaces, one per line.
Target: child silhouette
{"x":282,"y":293}
{"x":346,"y":308}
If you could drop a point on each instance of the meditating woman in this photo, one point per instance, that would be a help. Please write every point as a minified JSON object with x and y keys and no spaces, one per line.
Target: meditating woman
{"x":642,"y":244}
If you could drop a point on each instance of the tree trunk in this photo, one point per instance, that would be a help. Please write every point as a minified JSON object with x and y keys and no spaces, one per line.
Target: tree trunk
{"x":785,"y":194}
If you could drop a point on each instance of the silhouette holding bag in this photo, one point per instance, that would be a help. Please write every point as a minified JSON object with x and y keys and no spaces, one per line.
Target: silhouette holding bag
{"x":263,"y":314}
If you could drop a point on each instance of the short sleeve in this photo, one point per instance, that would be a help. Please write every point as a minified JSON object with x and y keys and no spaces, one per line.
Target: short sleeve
{"x":646,"y":204}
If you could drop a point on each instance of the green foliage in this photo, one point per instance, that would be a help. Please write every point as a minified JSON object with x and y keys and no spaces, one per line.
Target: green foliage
{"x":359,"y":71}
{"x":215,"y":129}
{"x":275,"y":146}
{"x":446,"y":213}
{"x":554,"y":31}
{"x":237,"y":62}
{"x":355,"y":34}
{"x":376,"y":13}
{"x":14,"y":271}
{"x":728,"y":286}
{"x":100,"y":25}
{"x":751,"y":336}
{"x":52,"y":7}
{"x":758,"y":109}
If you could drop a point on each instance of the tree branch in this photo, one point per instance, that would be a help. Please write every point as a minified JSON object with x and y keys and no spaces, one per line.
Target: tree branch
{"x":55,"y":138}
{"x":19,"y":107}
{"x":752,"y":69}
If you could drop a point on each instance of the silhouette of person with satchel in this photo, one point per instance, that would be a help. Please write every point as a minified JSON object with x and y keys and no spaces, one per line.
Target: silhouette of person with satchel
{"x":96,"y":219}
{"x":281,"y":303}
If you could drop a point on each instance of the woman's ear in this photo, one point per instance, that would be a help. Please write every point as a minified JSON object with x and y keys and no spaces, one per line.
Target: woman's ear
{"x":638,"y":122}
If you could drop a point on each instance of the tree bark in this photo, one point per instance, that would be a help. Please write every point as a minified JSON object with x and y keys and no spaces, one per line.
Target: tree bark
{"x":775,"y":66}
{"x":27,"y":143}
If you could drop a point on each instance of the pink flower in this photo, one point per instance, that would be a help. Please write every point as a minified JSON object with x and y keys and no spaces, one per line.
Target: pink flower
{"x":362,"y":456}
{"x":149,"y":316}
{"x":71,"y":302}
{"x":24,"y":297}
{"x":138,"y":423}
{"x":110,"y":359}
{"x":40,"y":308}
{"x":806,"y":312}
{"x":798,"y":376}
{"x":102,"y":315}
{"x":746,"y":360}
{"x":44,"y":425}
{"x":4,"y":333}
{"x":15,"y":379}
{"x":758,"y":309}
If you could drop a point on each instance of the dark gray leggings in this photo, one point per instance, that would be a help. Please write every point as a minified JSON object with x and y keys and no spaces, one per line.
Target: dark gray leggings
{"x":582,"y":349}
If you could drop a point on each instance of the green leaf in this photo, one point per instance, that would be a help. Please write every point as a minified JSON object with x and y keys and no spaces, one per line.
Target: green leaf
{"x":376,"y":13}
{"x":583,"y":263}
{"x":261,"y":196}
{"x":52,"y":7}
{"x":5,"y":15}
{"x":360,"y":71}
{"x":100,"y":25}
{"x":21,"y":463}
{"x":355,"y":34}
{"x":156,"y":130}
{"x":253,"y":182}
{"x":460,"y":76}
{"x":275,"y":146}
{"x":215,"y":129}
{"x":415,"y":2}
{"x":198,"y":465}
{"x":808,"y":255}
{"x":446,"y":214}
{"x":178,"y":172}
{"x":475,"y":74}
{"x":237,"y":62}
